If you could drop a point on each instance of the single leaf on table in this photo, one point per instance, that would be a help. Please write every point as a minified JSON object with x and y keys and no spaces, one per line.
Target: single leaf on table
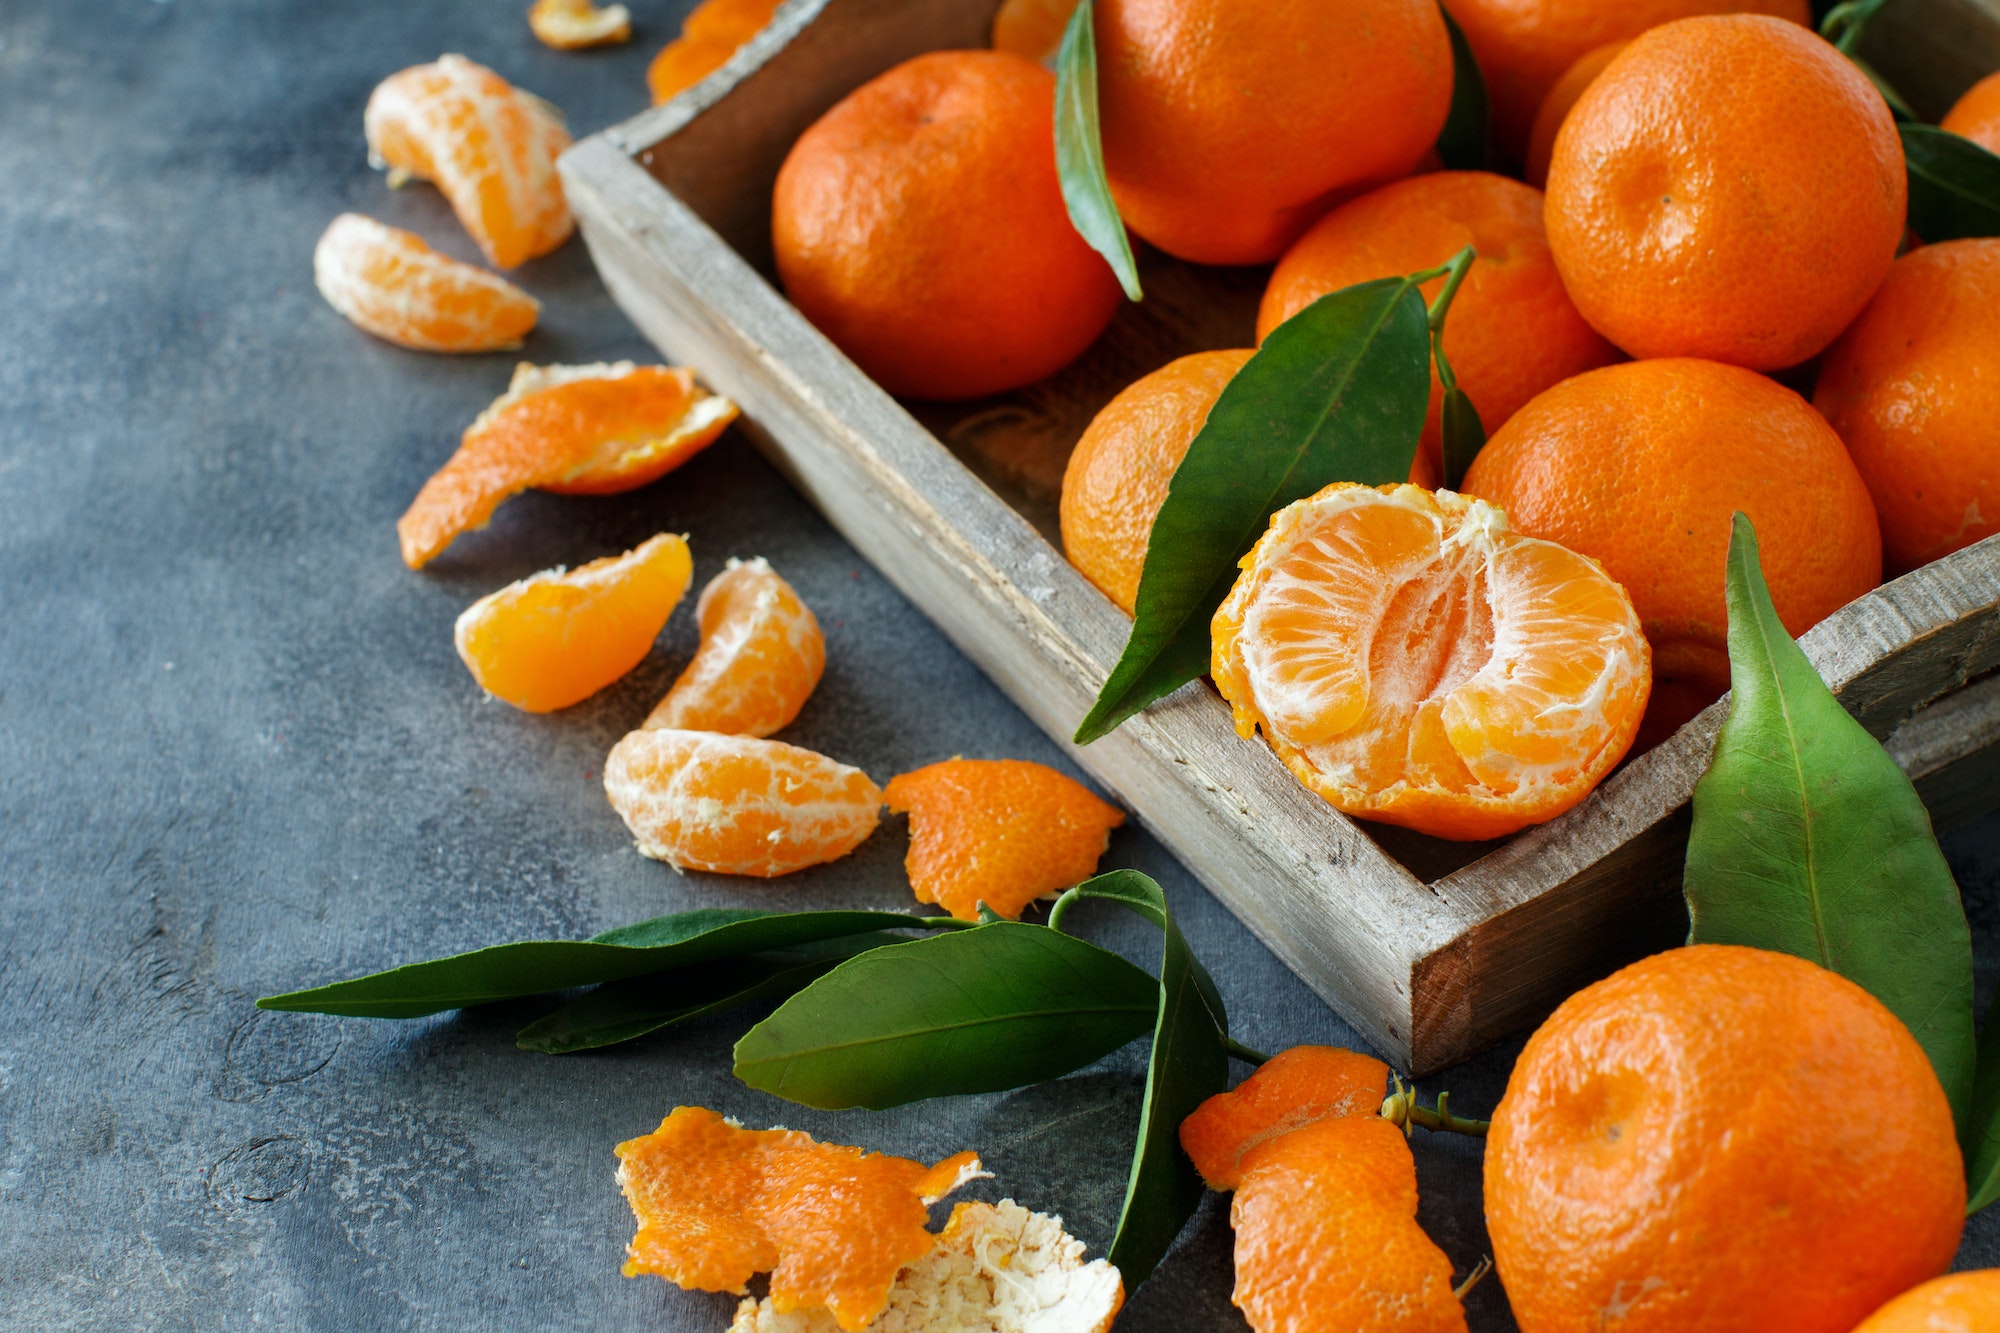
{"x":1080,"y":151}
{"x":1954,"y":185}
{"x":1982,"y":1145}
{"x":981,"y":1010}
{"x":1463,"y":144}
{"x":536,"y":967}
{"x":1336,"y":393}
{"x":1809,"y":840}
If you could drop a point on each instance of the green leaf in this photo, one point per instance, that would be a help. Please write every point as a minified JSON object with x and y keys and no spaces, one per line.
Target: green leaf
{"x":1462,"y":433}
{"x":1189,"y":1064}
{"x":1982,"y":1153}
{"x":1336,"y":393}
{"x":1954,"y":184}
{"x":619,"y":1011}
{"x":1463,"y":144}
{"x":1080,"y":151}
{"x":535,"y":967}
{"x":978,"y":1010}
{"x":1808,"y":839}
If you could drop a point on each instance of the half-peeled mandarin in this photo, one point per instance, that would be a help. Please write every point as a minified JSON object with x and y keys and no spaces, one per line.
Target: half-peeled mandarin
{"x":388,"y":282}
{"x":1002,"y":832}
{"x":761,"y":655}
{"x":560,"y":636}
{"x":576,"y":430}
{"x":1414,"y":660}
{"x":1292,"y":1089}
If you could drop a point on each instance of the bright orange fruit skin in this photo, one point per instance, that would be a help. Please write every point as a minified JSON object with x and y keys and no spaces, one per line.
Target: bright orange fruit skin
{"x":1197,"y":160}
{"x":388,"y":282}
{"x":920,"y":226}
{"x":559,"y":637}
{"x":713,"y":31}
{"x":1723,"y":1139}
{"x":491,"y":148}
{"x":577,"y":430}
{"x":1730,"y":187}
{"x":1640,"y":467}
{"x":1957,"y":1303}
{"x":1913,"y":387}
{"x":1292,"y":1089}
{"x":1412,"y":660}
{"x":1031,"y":28}
{"x":1512,"y":330}
{"x":1977,"y":114}
{"x":761,"y":655}
{"x":737,"y":805}
{"x":716,"y":1204}
{"x":1555,"y":109}
{"x":1003,"y":832}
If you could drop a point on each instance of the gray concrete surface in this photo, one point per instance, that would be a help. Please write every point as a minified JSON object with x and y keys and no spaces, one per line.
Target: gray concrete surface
{"x":238,"y":753}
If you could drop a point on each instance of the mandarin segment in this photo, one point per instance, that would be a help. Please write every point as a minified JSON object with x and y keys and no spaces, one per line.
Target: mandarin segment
{"x":1002,"y":832}
{"x":737,"y":805}
{"x":716,"y":1204}
{"x":574,"y":25}
{"x":761,"y":655}
{"x":388,"y":282}
{"x":713,"y":31}
{"x":1292,"y":1089}
{"x":1414,"y":660}
{"x":577,"y":430}
{"x":488,"y":146}
{"x":559,"y":637}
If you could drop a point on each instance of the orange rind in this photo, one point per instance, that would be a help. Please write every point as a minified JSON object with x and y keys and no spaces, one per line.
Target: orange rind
{"x":1031,"y":28}
{"x":488,"y":146}
{"x":737,"y":805}
{"x":1957,"y":1303}
{"x":713,"y":31}
{"x":761,"y":655}
{"x":716,"y":1204}
{"x":576,"y":430}
{"x":1292,"y":1089}
{"x":558,"y":637}
{"x":1002,"y":832}
{"x":388,"y":282}
{"x":574,"y":25}
{"x":1414,"y":660}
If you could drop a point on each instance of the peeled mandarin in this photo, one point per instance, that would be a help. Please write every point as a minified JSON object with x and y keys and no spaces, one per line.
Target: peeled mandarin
{"x":388,"y":282}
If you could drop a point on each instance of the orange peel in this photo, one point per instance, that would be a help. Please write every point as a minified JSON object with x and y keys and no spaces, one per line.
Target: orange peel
{"x":761,"y":655}
{"x":576,"y":430}
{"x":388,"y":282}
{"x":1291,"y":1090}
{"x":574,"y":25}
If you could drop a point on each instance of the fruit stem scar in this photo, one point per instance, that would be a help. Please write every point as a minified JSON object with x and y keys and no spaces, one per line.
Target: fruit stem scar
{"x":1400,"y":1108}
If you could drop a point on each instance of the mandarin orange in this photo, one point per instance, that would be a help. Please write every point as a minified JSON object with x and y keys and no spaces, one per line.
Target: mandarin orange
{"x":1976,"y":115}
{"x":488,"y":146}
{"x":1414,"y":660}
{"x":1512,"y":330}
{"x":761,"y":655}
{"x":557,"y":638}
{"x":1292,"y":1089}
{"x":920,"y":226}
{"x":1227,"y":128}
{"x":1957,"y":1303}
{"x":713,"y":31}
{"x":389,"y":283}
{"x":574,"y":25}
{"x":1563,"y":95}
{"x":1031,"y":28}
{"x":1724,"y":1139}
{"x":737,"y":805}
{"x":1913,"y":387}
{"x":1730,"y":187}
{"x":1640,"y":467}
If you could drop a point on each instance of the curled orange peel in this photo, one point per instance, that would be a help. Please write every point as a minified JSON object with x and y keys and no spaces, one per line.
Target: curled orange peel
{"x":1292,"y":1089}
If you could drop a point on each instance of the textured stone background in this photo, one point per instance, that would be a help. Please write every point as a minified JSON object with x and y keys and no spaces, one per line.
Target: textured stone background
{"x":238,"y":754}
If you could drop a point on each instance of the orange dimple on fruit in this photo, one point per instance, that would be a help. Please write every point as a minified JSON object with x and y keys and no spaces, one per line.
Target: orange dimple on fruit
{"x":1957,"y":1303}
{"x":1512,"y":330}
{"x":712,"y":33}
{"x":572,"y":25}
{"x":1198,"y":161}
{"x":1977,"y":114}
{"x":1913,"y":387}
{"x":491,"y":148}
{"x":1414,"y":660}
{"x":559,"y":637}
{"x":1031,"y":28}
{"x":1003,"y":832}
{"x":577,"y":430}
{"x":1730,"y":187}
{"x":1724,"y":1139}
{"x":1640,"y":466}
{"x":1292,"y":1089}
{"x":716,"y":1204}
{"x":737,"y":805}
{"x":761,"y":655}
{"x":920,"y":226}
{"x":389,"y":283}
{"x":1555,"y":108}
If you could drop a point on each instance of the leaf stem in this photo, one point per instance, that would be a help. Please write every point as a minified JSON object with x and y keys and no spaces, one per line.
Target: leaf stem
{"x":1479,"y":1270}
{"x":947,"y":923}
{"x":1845,"y":23}
{"x":1249,"y":1055}
{"x":1400,"y":1108}
{"x":1453,"y":271}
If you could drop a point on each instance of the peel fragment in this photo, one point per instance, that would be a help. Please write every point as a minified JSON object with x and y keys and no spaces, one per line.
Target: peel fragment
{"x":573,"y":25}
{"x":1291,"y":1090}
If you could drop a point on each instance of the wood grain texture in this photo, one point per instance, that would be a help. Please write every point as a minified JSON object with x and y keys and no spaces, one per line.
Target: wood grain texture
{"x":955,"y":505}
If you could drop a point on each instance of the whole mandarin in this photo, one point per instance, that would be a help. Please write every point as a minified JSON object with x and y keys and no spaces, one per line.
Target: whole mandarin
{"x":1958,"y":1303}
{"x":1512,"y":330}
{"x":1724,"y":1139}
{"x":1977,"y":114}
{"x":1730,"y":187}
{"x":920,"y":226}
{"x":1641,"y":465}
{"x":1555,"y":108}
{"x":1913,"y":387}
{"x":1523,"y":46}
{"x":1229,"y":127}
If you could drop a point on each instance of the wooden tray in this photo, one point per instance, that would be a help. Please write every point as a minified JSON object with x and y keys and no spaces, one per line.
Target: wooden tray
{"x":1431,"y":949}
